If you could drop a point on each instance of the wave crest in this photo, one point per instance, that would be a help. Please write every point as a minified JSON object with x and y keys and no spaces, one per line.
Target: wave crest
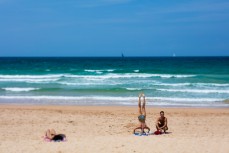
{"x":194,"y":90}
{"x":20,"y":89}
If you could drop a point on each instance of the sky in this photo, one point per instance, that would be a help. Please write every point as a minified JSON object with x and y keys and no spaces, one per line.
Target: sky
{"x":112,"y":27}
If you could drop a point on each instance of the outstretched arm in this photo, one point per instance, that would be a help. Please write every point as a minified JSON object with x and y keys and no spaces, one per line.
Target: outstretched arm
{"x":147,"y":128}
{"x":137,"y":128}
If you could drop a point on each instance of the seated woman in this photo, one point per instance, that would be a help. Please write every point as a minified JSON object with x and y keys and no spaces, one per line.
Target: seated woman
{"x":142,"y":115}
{"x":52,"y":136}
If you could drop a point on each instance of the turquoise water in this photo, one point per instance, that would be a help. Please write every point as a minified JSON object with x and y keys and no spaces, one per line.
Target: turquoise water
{"x":166,"y":81}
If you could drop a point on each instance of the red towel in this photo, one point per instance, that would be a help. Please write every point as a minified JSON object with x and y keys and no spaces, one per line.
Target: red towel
{"x":157,"y":132}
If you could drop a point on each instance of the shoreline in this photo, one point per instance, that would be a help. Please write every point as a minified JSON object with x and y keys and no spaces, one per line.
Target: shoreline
{"x":113,"y":105}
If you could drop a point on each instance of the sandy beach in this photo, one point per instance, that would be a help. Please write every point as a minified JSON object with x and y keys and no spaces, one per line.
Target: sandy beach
{"x":109,"y":129}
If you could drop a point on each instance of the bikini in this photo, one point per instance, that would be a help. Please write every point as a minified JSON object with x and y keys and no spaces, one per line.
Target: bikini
{"x":141,"y":118}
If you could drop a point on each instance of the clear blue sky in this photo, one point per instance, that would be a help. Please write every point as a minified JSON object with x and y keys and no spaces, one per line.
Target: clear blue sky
{"x":109,"y":27}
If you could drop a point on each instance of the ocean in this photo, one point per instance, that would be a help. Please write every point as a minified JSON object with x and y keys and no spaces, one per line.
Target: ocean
{"x":166,"y":81}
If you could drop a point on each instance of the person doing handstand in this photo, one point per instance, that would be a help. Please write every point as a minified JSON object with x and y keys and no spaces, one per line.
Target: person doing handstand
{"x":142,"y":114}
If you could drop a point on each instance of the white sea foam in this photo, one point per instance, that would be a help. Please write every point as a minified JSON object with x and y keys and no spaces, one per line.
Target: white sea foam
{"x":173,"y":76}
{"x":69,"y":98}
{"x":100,"y":100}
{"x":90,"y":70}
{"x":133,"y":88}
{"x":212,"y":84}
{"x":121,"y":99}
{"x":172,"y":84}
{"x":178,"y":99}
{"x":100,"y":71}
{"x":30,"y":76}
{"x":106,"y":76}
{"x":195,"y":90}
{"x":127,"y":75}
{"x":79,"y":84}
{"x":97,"y":71}
{"x":20,"y":89}
{"x":136,"y":71}
{"x":28,"y":80}
{"x":86,"y":83}
{"x":74,"y":84}
{"x":193,"y":84}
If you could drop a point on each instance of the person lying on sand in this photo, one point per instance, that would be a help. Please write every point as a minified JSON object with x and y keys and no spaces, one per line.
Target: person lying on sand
{"x":52,"y":136}
{"x":161,"y":123}
{"x":142,"y":114}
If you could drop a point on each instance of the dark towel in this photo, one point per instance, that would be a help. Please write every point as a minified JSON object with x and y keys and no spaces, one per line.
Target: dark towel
{"x":58,"y":137}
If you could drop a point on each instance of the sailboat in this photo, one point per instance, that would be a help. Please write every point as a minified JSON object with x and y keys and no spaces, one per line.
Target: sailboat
{"x":123,"y":55}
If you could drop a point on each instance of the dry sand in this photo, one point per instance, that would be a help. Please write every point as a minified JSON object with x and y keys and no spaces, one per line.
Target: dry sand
{"x":103,"y":129}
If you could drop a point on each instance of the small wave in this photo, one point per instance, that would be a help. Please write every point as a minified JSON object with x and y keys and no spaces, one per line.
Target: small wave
{"x":212,"y":84}
{"x":97,"y":71}
{"x":91,"y":70}
{"x":136,"y":71}
{"x":173,"y":76}
{"x":100,"y":100}
{"x":194,"y":90}
{"x":86,"y":83}
{"x":172,"y":84}
{"x":177,"y":99}
{"x":69,"y":98}
{"x":108,"y":70}
{"x":79,"y":84}
{"x":30,"y":76}
{"x":73,"y":84}
{"x":133,"y":89}
{"x":193,"y":84}
{"x":106,"y":76}
{"x":128,"y":75}
{"x":122,"y":99}
{"x":28,"y":80}
{"x":20,"y":89}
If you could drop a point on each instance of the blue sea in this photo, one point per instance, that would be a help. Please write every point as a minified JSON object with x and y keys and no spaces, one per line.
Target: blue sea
{"x":166,"y":81}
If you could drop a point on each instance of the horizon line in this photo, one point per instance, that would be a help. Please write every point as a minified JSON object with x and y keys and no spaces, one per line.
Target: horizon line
{"x":109,"y":56}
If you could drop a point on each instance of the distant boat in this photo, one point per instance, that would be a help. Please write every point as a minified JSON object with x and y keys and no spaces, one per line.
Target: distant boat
{"x":123,"y":55}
